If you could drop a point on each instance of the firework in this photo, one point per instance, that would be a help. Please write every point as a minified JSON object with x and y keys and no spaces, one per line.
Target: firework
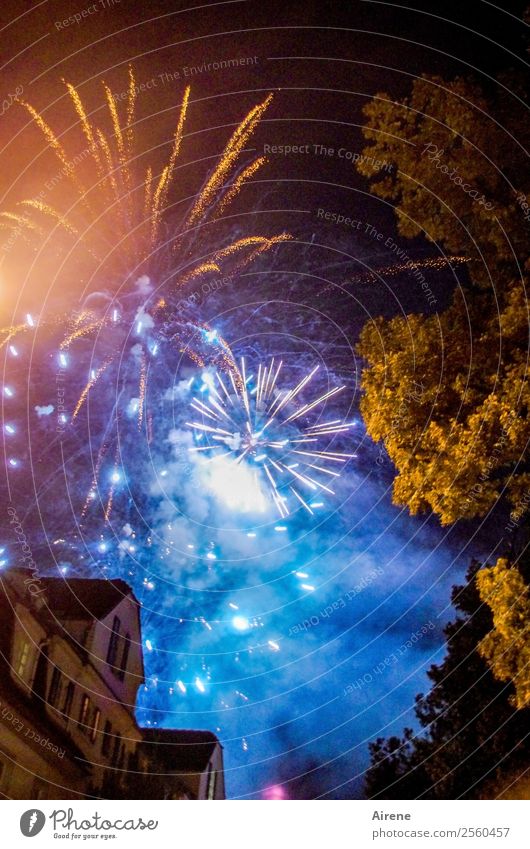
{"x":118,"y":205}
{"x":253,"y":423}
{"x":118,"y":208}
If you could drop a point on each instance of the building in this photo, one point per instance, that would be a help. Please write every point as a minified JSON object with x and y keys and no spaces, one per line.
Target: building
{"x":71,"y":664}
{"x":194,"y":759}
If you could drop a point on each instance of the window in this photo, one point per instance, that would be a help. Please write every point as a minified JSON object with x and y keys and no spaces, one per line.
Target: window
{"x":89,"y":718}
{"x":124,"y":656}
{"x":96,"y":716}
{"x":212,"y":777}
{"x":40,"y":678}
{"x":23,"y":658}
{"x":116,"y":750}
{"x":68,"y":699}
{"x":55,"y":687}
{"x":83,"y":712}
{"x":106,"y":739}
{"x":114,"y":640}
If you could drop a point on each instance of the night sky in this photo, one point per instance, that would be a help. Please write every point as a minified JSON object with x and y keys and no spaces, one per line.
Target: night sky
{"x":322,"y":598}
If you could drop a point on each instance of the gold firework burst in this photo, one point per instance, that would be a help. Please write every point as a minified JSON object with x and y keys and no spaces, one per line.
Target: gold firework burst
{"x":123,"y":206}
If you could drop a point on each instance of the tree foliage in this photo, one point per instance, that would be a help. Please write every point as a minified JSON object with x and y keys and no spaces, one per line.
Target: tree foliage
{"x":506,"y":647}
{"x":459,"y":165}
{"x":450,"y":404}
{"x":448,"y":393}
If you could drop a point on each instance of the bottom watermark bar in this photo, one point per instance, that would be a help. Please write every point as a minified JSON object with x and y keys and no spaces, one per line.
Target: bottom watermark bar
{"x":311,"y":824}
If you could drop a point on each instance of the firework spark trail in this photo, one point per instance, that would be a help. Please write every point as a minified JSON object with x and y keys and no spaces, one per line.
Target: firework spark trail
{"x":141,"y":389}
{"x":177,"y":143}
{"x":131,"y":106}
{"x":10,"y":333}
{"x":240,"y":181}
{"x":205,"y":268}
{"x":13,"y":220}
{"x":209,"y":194}
{"x":53,"y":141}
{"x":91,"y":383}
{"x":93,"y":488}
{"x":79,"y":332}
{"x":48,"y":210}
{"x":368,"y":276}
{"x":114,"y":479}
{"x":244,"y":423}
{"x":86,"y":126}
{"x":258,"y":245}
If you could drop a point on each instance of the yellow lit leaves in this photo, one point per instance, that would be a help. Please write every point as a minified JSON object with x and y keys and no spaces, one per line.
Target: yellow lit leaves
{"x":507,"y":647}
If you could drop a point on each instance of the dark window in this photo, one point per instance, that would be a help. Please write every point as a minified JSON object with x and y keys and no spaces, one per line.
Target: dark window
{"x":114,"y":640}
{"x":106,"y":739}
{"x":55,"y":687}
{"x":41,"y":673}
{"x":83,"y":712}
{"x":68,"y":699}
{"x":116,"y":750}
{"x":124,"y":656}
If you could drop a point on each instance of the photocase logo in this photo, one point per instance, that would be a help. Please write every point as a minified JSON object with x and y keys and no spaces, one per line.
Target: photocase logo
{"x":32,"y":822}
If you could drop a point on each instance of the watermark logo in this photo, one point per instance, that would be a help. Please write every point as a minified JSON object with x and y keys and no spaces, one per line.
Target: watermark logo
{"x":32,"y":822}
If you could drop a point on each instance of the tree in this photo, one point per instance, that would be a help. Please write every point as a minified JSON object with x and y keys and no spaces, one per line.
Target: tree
{"x":448,"y":394}
{"x":397,"y":771}
{"x":507,"y":646}
{"x":459,"y":167}
{"x":472,"y":736}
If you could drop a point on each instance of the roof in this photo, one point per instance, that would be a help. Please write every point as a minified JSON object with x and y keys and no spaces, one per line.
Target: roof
{"x":63,"y":601}
{"x":182,"y":751}
{"x":79,"y":598}
{"x":85,"y":598}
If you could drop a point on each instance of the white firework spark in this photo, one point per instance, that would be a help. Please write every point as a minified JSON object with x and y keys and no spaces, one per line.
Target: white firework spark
{"x":253,"y":421}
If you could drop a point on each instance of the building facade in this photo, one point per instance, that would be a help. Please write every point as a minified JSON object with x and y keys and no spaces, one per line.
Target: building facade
{"x":72,"y":663}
